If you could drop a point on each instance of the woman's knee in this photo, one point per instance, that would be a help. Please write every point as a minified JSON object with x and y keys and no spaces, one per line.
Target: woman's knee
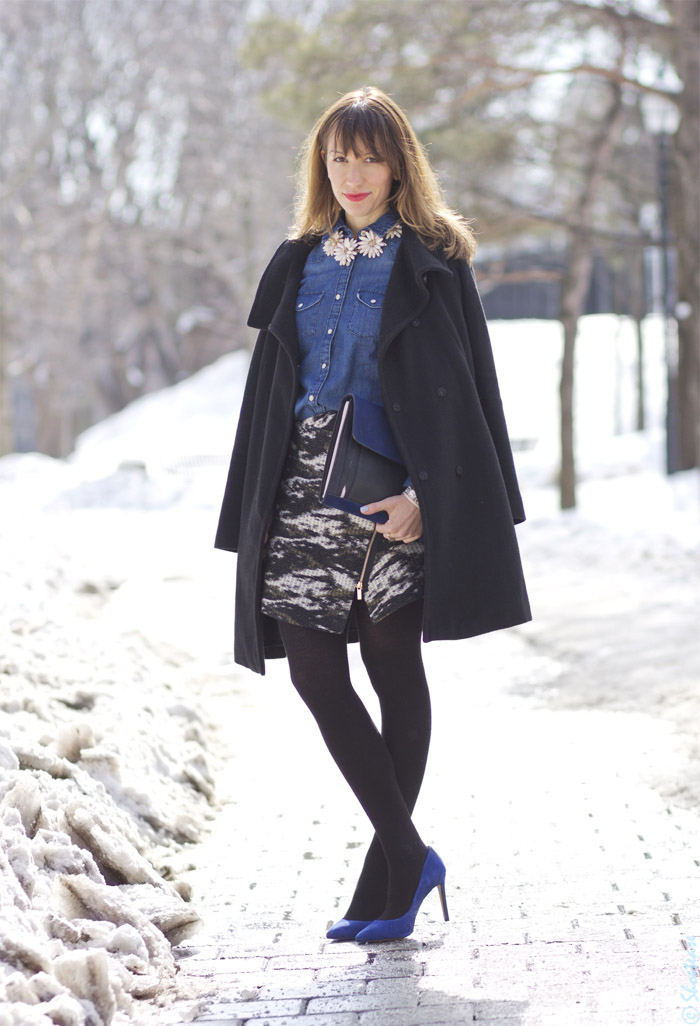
{"x":394,"y":636}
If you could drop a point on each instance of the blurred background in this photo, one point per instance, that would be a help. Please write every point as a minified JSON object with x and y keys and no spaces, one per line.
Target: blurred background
{"x":148,"y":154}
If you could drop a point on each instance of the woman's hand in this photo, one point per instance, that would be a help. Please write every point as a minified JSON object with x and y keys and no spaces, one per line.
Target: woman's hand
{"x":405,"y":523}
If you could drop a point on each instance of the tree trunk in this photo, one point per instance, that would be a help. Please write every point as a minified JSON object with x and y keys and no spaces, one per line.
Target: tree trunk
{"x":640,"y":418}
{"x":685,"y":214}
{"x":575,"y":288}
{"x":637,"y":308}
{"x":574,"y":292}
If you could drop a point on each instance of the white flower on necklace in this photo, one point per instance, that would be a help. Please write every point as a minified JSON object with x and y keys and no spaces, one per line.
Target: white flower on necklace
{"x":370,"y":244}
{"x":333,"y":240}
{"x":344,"y":249}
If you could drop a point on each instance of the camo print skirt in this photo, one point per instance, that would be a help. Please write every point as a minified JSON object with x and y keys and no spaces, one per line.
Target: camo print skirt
{"x":316,"y":554}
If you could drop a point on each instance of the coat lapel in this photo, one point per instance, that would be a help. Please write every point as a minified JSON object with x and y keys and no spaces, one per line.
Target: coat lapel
{"x":275,"y":301}
{"x":407,"y":292}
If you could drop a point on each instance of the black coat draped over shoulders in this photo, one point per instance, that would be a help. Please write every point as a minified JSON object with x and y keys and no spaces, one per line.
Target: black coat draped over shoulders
{"x":440,"y":392}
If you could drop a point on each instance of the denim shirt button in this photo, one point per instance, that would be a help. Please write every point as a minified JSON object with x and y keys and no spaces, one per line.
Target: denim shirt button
{"x":459,"y":471}
{"x":442,"y":392}
{"x":396,"y":407}
{"x":416,"y":322}
{"x":423,"y":475}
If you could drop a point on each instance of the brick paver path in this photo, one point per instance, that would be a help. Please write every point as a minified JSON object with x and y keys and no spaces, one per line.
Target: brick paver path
{"x":573,"y":887}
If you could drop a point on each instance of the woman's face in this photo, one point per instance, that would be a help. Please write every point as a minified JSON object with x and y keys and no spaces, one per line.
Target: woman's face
{"x":361,"y":183}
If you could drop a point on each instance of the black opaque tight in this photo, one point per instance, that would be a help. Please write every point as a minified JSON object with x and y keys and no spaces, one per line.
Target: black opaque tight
{"x":385,"y":770}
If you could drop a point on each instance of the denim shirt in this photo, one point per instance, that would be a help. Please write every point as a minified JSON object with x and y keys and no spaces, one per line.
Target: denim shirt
{"x":338,"y":313}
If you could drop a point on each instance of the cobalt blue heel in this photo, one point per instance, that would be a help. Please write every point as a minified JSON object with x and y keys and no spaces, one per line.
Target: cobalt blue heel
{"x":433,"y":875}
{"x":347,"y":929}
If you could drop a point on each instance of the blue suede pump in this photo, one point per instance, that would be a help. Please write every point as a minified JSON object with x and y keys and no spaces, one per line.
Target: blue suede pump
{"x":433,"y":875}
{"x":347,"y":929}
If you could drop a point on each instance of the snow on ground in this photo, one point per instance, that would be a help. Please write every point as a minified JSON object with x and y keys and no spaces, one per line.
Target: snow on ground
{"x":105,"y":776}
{"x":115,"y":639}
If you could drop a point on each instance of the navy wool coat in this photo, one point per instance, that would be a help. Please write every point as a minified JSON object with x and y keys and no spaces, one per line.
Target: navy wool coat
{"x":440,"y":391}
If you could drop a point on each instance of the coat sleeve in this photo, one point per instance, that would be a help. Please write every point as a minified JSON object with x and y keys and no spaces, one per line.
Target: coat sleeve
{"x":481,"y":358}
{"x":267,"y":296}
{"x":228,"y":530}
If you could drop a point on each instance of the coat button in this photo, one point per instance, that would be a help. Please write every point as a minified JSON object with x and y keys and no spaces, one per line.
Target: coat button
{"x":396,"y":407}
{"x":416,"y":322}
{"x":423,"y":475}
{"x":459,"y":470}
{"x":442,"y":392}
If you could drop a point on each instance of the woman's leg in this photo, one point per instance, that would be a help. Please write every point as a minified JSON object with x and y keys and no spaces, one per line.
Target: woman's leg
{"x":391,"y":652}
{"x":319,"y":669}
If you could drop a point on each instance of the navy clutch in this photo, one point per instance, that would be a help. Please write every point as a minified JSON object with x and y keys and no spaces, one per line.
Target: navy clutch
{"x":363,"y":463}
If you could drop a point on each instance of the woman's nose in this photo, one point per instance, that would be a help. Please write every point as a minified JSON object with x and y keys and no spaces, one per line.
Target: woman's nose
{"x":354,"y":173}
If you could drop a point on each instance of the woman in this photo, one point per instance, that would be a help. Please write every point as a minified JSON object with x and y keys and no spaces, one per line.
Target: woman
{"x":372,"y":295}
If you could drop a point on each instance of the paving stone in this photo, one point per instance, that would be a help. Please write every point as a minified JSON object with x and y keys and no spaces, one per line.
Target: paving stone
{"x":459,"y":1013}
{"x":396,"y":989}
{"x":349,"y":956}
{"x":345,"y":1019}
{"x":313,"y":989}
{"x":213,"y":966}
{"x":392,"y":968}
{"x":256,"y":1009}
{"x":362,"y":1002}
{"x":277,"y":978}
{"x":215,"y":1022}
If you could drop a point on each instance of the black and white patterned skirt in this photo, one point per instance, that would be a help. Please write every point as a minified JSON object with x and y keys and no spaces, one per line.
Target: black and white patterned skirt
{"x":316,"y":554}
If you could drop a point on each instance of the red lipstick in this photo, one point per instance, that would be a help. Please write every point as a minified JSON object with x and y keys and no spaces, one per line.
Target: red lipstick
{"x":355,"y":197}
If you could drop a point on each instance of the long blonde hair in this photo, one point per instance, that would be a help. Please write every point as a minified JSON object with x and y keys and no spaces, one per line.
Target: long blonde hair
{"x":367,"y":120}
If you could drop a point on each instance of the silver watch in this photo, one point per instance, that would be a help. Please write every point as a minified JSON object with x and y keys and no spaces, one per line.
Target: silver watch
{"x":410,"y":493}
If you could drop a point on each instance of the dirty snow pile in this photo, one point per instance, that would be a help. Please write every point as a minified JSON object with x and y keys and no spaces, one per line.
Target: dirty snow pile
{"x":106,"y":758}
{"x":104,"y":775}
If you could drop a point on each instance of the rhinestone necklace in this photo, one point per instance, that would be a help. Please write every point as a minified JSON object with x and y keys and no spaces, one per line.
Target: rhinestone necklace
{"x":368,"y":243}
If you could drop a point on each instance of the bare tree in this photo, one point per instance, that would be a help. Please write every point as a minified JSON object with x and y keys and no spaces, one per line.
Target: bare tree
{"x":577,"y":280}
{"x":141,"y":194}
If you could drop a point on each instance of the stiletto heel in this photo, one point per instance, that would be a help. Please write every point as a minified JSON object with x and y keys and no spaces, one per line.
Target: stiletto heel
{"x":433,"y":875}
{"x":443,"y":900}
{"x":347,"y":929}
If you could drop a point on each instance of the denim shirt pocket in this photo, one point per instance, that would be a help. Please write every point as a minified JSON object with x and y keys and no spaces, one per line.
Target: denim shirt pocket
{"x":366,"y":313}
{"x":308,"y":307}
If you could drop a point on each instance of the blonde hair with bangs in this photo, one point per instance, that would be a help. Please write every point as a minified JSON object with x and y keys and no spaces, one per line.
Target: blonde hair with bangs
{"x":368,"y":121}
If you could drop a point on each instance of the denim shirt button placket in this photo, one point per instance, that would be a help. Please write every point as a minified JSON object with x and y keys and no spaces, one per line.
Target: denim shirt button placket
{"x":335,"y":316}
{"x":340,"y":302}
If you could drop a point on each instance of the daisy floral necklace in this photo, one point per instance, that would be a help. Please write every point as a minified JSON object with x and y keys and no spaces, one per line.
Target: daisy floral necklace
{"x":368,"y":243}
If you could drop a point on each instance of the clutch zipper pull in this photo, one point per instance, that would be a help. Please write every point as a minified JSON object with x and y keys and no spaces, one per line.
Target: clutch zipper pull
{"x":360,"y":584}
